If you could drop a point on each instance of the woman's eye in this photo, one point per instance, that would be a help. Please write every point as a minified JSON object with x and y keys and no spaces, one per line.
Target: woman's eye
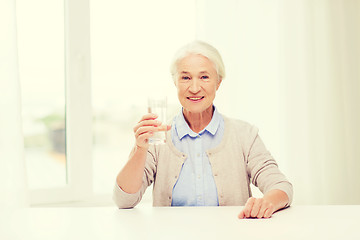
{"x":185,"y":78}
{"x":205,"y":77}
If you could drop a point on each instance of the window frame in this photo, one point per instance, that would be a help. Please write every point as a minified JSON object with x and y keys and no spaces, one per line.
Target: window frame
{"x":78,"y":110}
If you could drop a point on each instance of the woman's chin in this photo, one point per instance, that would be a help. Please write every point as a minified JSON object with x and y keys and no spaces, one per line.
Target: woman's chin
{"x":195,"y":109}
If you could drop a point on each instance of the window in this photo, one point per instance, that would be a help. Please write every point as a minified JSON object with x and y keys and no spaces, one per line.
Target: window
{"x":78,"y":133}
{"x":41,"y":70}
{"x":54,"y":60}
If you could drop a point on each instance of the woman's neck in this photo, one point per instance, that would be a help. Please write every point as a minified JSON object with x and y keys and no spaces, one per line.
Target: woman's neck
{"x":198,"y":121}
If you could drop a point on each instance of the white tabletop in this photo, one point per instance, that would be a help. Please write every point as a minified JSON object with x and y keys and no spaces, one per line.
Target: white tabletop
{"x":146,"y":222}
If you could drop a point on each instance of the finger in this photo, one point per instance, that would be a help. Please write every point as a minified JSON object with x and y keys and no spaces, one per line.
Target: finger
{"x":241,"y":214}
{"x":156,"y":128}
{"x":256,"y":207}
{"x":146,"y":123}
{"x":164,"y":128}
{"x":145,"y":129}
{"x":149,"y":116}
{"x":248,"y":206}
{"x":262,"y":210}
{"x":269,"y":212}
{"x":168,"y":127}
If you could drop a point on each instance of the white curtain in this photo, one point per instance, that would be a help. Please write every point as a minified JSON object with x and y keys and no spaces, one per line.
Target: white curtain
{"x":13,"y":191}
{"x":293,"y":69}
{"x":320,"y":80}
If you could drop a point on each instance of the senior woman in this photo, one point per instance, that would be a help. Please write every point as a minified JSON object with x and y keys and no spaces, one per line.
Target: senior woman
{"x":208,"y":159}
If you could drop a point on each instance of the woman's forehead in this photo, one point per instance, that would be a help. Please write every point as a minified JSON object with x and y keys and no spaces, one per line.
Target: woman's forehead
{"x":195,"y":63}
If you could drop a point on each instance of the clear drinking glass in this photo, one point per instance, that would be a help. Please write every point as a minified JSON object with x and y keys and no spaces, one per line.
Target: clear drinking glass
{"x":158,"y":105}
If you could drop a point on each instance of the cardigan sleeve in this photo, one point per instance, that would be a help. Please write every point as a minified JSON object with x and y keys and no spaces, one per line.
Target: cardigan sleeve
{"x":126,"y":200}
{"x":263,"y":169}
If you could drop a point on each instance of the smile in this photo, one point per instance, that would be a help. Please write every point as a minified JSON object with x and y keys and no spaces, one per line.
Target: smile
{"x":195,"y":98}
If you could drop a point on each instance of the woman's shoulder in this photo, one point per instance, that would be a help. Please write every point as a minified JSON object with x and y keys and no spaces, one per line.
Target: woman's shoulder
{"x":239,"y":124}
{"x":238,"y":132}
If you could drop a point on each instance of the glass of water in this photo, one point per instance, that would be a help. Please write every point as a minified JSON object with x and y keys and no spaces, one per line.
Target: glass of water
{"x":158,"y":105}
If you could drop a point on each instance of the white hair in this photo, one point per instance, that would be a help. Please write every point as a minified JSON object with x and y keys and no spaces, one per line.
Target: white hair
{"x":201,"y":48}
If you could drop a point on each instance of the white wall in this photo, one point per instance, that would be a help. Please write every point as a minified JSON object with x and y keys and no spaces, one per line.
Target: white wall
{"x":293,"y":71}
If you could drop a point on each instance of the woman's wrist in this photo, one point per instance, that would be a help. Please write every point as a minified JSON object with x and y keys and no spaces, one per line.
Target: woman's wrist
{"x":278,"y":198}
{"x":138,"y":151}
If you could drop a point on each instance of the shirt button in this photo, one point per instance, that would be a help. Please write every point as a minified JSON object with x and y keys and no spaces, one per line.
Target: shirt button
{"x":175,"y":177}
{"x":169,"y":197}
{"x":215,"y":174}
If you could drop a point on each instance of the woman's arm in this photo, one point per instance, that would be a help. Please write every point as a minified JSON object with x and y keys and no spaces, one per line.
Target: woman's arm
{"x":130,"y":177}
{"x":265,"y":174}
{"x":264,"y":207}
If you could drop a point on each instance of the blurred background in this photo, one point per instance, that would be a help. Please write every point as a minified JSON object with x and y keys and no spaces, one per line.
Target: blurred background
{"x":85,"y":71}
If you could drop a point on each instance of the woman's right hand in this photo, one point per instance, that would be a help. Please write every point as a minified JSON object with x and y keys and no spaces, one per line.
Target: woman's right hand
{"x":130,"y":177}
{"x":145,"y":129}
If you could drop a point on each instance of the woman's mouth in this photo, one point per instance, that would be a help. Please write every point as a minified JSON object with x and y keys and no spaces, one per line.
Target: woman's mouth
{"x":195,"y":99}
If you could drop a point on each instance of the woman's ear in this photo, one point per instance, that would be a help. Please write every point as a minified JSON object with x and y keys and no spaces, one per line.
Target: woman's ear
{"x":173,"y":78}
{"x":218,"y":83}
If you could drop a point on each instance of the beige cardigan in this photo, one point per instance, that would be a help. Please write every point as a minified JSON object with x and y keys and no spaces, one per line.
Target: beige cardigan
{"x":239,"y":159}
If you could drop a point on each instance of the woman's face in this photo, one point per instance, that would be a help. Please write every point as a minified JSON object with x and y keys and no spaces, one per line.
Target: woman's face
{"x":197,"y":82}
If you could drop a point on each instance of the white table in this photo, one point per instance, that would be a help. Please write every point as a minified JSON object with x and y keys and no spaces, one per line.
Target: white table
{"x":146,"y":222}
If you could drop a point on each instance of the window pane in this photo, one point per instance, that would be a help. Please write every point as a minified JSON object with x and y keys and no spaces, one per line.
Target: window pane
{"x":132,"y":44}
{"x":41,"y":68}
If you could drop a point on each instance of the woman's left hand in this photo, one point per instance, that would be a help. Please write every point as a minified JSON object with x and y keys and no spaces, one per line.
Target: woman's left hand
{"x":257,"y":208}
{"x":264,"y":207}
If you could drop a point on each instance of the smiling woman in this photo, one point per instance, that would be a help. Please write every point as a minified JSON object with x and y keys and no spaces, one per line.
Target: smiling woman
{"x":197,"y":84}
{"x":208,"y":159}
{"x":292,"y":70}
{"x":197,"y":71}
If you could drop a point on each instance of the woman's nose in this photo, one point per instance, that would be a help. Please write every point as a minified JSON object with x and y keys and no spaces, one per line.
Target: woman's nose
{"x":195,"y":86}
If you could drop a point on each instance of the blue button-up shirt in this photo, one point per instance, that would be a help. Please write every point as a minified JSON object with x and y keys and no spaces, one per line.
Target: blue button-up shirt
{"x":196,"y":185}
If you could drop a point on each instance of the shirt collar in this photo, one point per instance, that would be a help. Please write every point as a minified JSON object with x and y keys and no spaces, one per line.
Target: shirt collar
{"x":183,"y":129}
